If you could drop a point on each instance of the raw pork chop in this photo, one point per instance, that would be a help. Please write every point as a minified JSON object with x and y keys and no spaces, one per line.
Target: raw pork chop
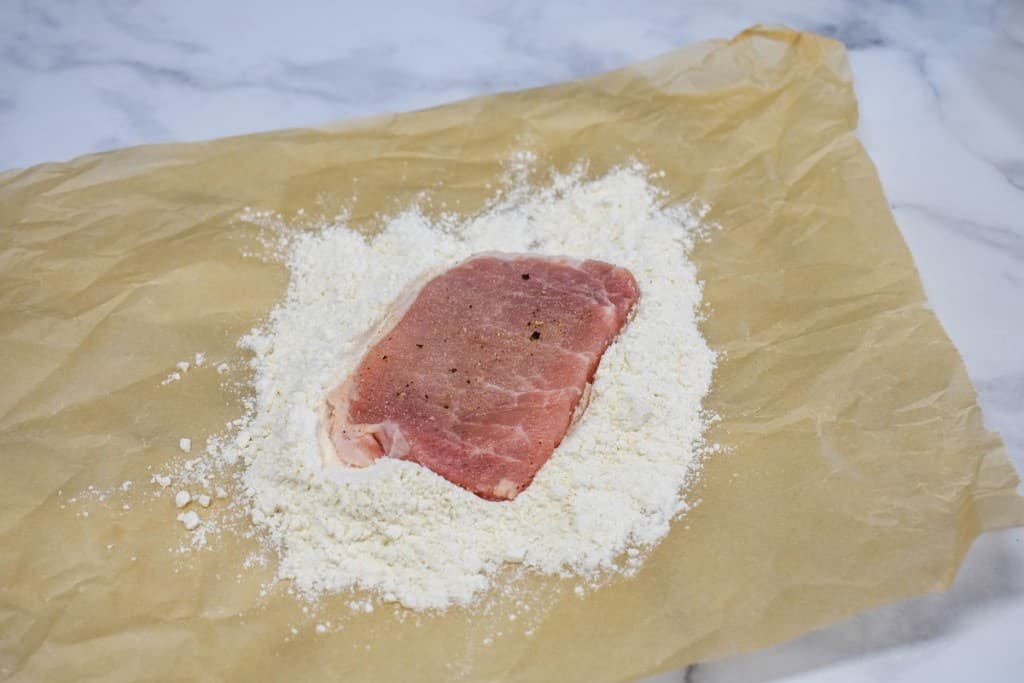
{"x":481,"y":376}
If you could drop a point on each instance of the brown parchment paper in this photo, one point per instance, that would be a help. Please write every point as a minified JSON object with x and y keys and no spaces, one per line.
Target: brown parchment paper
{"x":857,"y":469}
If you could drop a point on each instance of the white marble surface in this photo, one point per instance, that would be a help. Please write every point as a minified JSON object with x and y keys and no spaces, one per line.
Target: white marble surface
{"x":941,"y":88}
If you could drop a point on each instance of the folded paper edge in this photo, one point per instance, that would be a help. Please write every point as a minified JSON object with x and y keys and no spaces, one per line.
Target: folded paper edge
{"x":998,"y":504}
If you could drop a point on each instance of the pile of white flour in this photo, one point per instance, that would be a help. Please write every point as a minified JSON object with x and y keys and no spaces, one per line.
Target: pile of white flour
{"x":407,"y":535}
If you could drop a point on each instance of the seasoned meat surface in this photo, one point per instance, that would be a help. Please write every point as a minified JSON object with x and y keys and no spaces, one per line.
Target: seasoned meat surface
{"x":480,"y":377}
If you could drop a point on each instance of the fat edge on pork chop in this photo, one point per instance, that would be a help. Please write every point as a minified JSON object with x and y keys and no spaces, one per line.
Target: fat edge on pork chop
{"x":485,"y":370}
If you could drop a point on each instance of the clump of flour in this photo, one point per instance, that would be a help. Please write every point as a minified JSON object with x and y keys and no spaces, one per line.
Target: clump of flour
{"x":397,"y":529}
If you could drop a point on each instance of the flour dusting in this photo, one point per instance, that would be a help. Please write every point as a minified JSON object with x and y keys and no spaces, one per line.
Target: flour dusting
{"x":398,"y":530}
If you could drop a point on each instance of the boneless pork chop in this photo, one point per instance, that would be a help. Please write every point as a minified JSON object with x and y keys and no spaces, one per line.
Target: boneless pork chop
{"x":480,"y":377}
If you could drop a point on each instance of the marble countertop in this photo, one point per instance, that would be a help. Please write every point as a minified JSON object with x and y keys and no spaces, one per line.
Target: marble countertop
{"x":942,"y":116}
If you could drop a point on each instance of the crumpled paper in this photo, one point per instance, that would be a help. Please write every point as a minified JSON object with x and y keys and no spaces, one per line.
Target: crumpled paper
{"x":855,"y":468}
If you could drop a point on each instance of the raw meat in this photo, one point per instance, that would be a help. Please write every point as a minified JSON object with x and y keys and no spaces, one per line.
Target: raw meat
{"x":484,"y":372}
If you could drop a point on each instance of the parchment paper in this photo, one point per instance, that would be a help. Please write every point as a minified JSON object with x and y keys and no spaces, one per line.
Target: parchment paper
{"x":857,"y":469}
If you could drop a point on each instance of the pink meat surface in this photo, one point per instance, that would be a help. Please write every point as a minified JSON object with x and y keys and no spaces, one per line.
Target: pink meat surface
{"x":481,"y":376}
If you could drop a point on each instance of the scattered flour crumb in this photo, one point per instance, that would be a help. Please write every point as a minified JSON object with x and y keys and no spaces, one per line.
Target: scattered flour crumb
{"x":222,"y":368}
{"x":204,"y":500}
{"x":254,"y":560}
{"x":185,"y":445}
{"x":182,"y":498}
{"x":190,"y":519}
{"x":162,"y":479}
{"x":199,"y":359}
{"x":173,"y":377}
{"x":183,"y":366}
